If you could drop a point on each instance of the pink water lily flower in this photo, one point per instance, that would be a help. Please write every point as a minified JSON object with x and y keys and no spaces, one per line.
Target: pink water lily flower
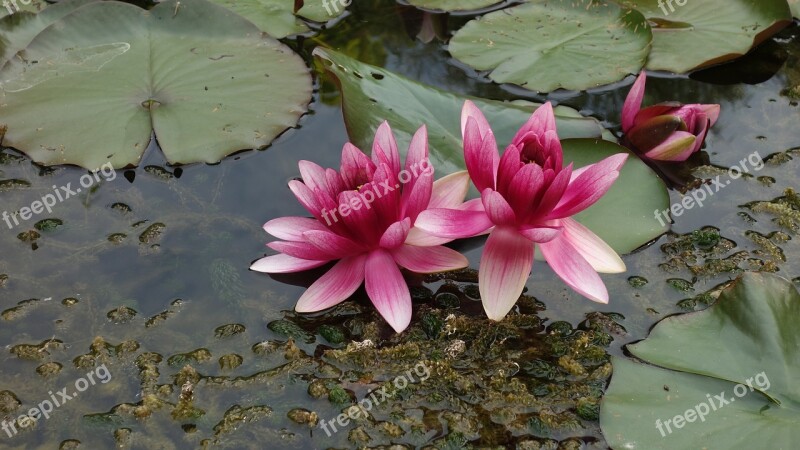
{"x":363,"y":216}
{"x":527,"y":198}
{"x":667,"y":131}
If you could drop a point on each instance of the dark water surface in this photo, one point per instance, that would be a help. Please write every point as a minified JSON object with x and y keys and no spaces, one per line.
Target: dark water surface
{"x":147,"y":266}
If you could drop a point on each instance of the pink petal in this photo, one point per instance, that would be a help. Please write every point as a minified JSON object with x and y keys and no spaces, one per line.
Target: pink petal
{"x":541,"y":121}
{"x":418,"y":151}
{"x":497,"y":208}
{"x":417,"y":176}
{"x":332,"y":243}
{"x":396,"y":234}
{"x":284,"y":264}
{"x":481,"y":156}
{"x":359,"y":216}
{"x":505,"y":266}
{"x":450,"y":191}
{"x":678,"y":147}
{"x":633,"y":103}
{"x":335,"y":286}
{"x":555,"y":191}
{"x":418,"y":198}
{"x":510,"y":164}
{"x":661,"y":109}
{"x":647,"y":134}
{"x":421,"y":238}
{"x":540,"y":233}
{"x":335,"y":182}
{"x":523,"y":190}
{"x":417,"y":191}
{"x":315,"y":177}
{"x":590,"y":186}
{"x":702,"y":131}
{"x":594,"y":250}
{"x":292,"y":228}
{"x":388,"y":290}
{"x":384,"y":148}
{"x":386,"y":196}
{"x":303,"y":250}
{"x":551,"y":145}
{"x":470,"y":111}
{"x":429,"y":259}
{"x":476,"y":204}
{"x":453,"y":223}
{"x":569,"y":265}
{"x":330,"y":214}
{"x":306,"y":198}
{"x":356,"y":168}
{"x":544,"y":150}
{"x":712,"y":111}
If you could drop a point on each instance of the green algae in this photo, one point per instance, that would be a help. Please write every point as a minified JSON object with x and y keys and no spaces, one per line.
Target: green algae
{"x":784,"y":209}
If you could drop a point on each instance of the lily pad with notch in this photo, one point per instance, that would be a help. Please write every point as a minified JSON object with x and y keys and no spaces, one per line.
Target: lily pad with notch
{"x":92,"y":87}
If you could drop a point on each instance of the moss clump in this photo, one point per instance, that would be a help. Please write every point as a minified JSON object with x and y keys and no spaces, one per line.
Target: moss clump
{"x":785,"y":209}
{"x":230,"y":361}
{"x":196,"y":356}
{"x":8,"y":402}
{"x":46,"y":225}
{"x":339,"y":396}
{"x":236,"y":415}
{"x":332,"y":334}
{"x":121,"y":314}
{"x":226,"y":331}
{"x":637,"y":282}
{"x":291,"y":330}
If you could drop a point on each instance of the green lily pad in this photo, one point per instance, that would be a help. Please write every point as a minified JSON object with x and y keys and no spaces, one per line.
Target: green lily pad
{"x":703,"y":33}
{"x":794,"y":5}
{"x":19,"y":29}
{"x":322,"y":10}
{"x":453,"y":5}
{"x":624,"y":217}
{"x":372,"y":94}
{"x":745,"y":348}
{"x":93,"y":87}
{"x":545,"y":45}
{"x":278,"y":17}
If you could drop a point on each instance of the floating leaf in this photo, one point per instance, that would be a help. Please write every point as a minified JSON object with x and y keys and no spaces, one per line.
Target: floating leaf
{"x":92,"y":87}
{"x":453,"y":5}
{"x":18,"y":30}
{"x":748,"y":338}
{"x":372,"y":94}
{"x":277,"y":17}
{"x":321,"y":10}
{"x":794,"y":5}
{"x":546,"y":45}
{"x":709,"y":31}
{"x":624,"y":217}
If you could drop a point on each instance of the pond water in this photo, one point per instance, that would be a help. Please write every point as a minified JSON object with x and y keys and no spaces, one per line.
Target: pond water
{"x":145,"y":274}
